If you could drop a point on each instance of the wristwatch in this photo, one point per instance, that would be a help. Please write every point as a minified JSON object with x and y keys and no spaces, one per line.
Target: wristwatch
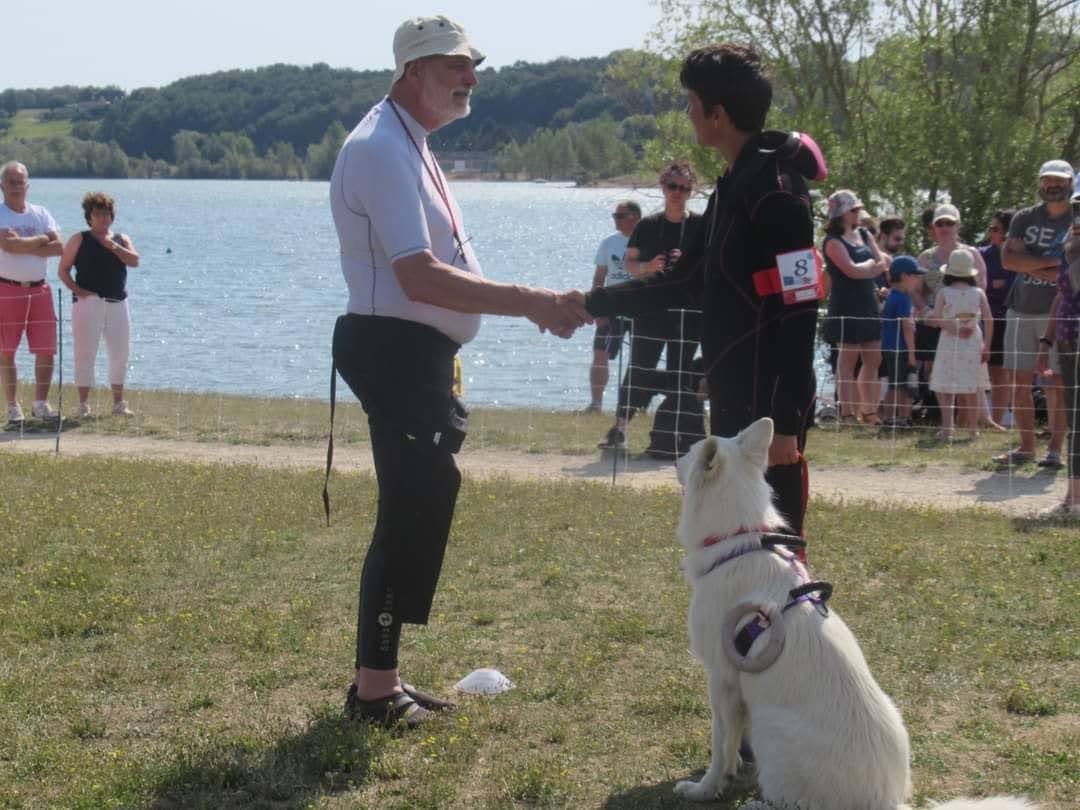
{"x":1046,"y":342}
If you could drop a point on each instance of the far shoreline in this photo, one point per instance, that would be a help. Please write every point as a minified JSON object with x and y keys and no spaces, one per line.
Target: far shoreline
{"x":622,"y":181}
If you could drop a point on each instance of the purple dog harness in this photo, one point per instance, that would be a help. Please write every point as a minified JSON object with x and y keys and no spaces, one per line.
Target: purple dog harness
{"x":816,"y":592}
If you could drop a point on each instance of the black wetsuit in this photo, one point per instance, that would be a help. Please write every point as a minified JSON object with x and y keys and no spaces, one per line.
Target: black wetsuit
{"x":758,"y":350}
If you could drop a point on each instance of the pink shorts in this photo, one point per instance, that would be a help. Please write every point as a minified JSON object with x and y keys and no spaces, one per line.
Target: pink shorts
{"x":29,"y":310}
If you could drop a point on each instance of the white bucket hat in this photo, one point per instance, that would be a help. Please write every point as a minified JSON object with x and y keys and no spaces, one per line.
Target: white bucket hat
{"x":961,"y":264}
{"x":430,"y":36}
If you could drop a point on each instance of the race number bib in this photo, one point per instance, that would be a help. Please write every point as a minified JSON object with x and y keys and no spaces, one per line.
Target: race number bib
{"x":800,"y":275}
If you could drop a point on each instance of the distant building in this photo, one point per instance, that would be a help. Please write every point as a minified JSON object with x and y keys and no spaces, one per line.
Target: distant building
{"x":467,"y":162}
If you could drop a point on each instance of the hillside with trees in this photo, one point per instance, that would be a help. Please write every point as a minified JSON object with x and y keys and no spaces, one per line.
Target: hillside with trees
{"x":288,"y":121}
{"x":912,"y":102}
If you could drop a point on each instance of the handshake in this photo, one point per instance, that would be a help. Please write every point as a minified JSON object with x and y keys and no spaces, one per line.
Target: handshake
{"x":558,"y":313}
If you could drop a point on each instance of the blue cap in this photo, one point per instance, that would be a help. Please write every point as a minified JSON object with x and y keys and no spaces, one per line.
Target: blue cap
{"x":904,"y":266}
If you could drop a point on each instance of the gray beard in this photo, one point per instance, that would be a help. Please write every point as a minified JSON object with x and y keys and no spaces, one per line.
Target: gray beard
{"x":1054,"y":195}
{"x":443,"y":105}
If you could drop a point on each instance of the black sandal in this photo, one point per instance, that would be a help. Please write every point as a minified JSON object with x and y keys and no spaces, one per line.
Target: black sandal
{"x":429,"y":702}
{"x":387,"y":712}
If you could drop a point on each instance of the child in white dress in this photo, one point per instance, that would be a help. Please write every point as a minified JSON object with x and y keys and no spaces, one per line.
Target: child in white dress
{"x":963,"y":348}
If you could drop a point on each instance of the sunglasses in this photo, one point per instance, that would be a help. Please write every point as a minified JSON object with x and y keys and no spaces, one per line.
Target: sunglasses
{"x":623,"y":215}
{"x":677,"y":187}
{"x":945,"y":223}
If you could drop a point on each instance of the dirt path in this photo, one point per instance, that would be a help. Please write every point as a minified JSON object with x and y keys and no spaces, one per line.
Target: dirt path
{"x":1015,"y":495}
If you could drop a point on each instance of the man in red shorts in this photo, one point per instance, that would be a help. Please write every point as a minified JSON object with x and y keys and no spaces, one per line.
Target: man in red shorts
{"x":28,"y":237}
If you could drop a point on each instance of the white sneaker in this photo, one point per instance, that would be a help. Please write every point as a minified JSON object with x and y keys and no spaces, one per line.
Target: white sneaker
{"x":84,"y":410}
{"x":15,"y":413}
{"x":42,"y":410}
{"x":121,"y":409}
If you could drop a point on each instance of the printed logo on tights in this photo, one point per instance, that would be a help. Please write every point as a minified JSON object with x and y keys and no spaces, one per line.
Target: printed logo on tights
{"x":385,"y":620}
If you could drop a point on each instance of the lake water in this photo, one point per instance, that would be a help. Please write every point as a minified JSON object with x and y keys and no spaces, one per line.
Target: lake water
{"x":239,"y":283}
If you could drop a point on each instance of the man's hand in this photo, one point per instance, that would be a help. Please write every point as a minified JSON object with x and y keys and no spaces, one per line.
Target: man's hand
{"x":558,"y":313}
{"x":656,"y":264}
{"x":6,"y":237}
{"x":784,"y":450}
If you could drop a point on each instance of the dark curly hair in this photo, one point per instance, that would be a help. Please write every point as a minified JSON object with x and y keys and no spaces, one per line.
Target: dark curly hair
{"x":98,"y":200}
{"x":731,"y":76}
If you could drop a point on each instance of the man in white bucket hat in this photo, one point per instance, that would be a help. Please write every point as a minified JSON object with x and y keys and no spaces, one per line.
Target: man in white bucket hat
{"x":416,"y":294}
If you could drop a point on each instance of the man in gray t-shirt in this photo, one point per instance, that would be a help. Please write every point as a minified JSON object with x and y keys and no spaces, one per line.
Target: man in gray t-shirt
{"x":1033,"y":251}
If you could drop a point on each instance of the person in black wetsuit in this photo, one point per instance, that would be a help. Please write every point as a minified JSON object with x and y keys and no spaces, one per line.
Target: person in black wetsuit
{"x":752,"y":268}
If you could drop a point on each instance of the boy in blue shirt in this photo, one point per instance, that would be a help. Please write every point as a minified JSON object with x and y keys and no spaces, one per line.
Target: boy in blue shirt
{"x":898,"y":339}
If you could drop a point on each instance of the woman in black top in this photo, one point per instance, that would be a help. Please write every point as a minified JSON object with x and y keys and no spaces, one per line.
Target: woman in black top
{"x":655,"y":245}
{"x":853,"y":322}
{"x":101,"y":259}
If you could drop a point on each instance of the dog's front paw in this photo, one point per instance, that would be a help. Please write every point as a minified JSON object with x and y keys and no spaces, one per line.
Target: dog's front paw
{"x":704,"y":791}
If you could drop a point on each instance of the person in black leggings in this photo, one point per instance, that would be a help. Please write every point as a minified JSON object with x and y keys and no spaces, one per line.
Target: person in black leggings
{"x":415,"y":296}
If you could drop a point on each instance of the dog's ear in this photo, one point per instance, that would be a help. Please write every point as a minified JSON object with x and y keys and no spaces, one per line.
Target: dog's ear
{"x":754,"y":441}
{"x":711,"y":459}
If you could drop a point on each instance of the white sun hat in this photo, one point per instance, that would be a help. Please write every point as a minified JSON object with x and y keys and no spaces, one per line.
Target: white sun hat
{"x":430,"y":36}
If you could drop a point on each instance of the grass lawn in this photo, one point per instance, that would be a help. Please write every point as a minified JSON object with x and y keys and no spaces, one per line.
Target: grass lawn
{"x":27,"y":126}
{"x":251,"y":420}
{"x":177,"y":636}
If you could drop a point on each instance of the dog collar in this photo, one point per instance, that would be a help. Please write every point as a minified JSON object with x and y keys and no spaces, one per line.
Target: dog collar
{"x":713,"y":539}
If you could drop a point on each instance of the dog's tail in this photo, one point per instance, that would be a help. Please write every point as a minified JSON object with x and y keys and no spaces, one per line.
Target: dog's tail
{"x":993,"y":803}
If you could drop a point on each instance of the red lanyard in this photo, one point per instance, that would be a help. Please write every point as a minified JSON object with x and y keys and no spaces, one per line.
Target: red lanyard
{"x":436,"y":180}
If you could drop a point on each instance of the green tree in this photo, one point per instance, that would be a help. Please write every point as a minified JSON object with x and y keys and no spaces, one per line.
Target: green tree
{"x":910,"y":99}
{"x":510,"y":160}
{"x":322,"y":156}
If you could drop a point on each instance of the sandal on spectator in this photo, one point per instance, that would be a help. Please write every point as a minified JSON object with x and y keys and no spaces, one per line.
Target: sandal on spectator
{"x":1051,"y":462}
{"x":426,"y":701}
{"x":387,"y":711}
{"x":1014,"y":458}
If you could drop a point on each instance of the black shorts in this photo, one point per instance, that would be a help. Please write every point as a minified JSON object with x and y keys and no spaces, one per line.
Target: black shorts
{"x":840,"y":330}
{"x":926,"y":340}
{"x":896,"y":368}
{"x":609,"y":336}
{"x":997,"y":344}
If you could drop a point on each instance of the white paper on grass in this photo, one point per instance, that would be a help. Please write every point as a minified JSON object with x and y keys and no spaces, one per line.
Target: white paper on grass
{"x":484,"y":681}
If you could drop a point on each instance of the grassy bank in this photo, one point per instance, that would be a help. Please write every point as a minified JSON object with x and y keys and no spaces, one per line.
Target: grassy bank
{"x":27,"y":125}
{"x":180,"y":636}
{"x":236,"y":419}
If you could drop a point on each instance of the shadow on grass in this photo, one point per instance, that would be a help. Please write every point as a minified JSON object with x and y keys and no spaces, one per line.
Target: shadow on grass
{"x":662,"y":796}
{"x":331,"y":755}
{"x":34,"y":429}
{"x":621,"y":461}
{"x":999,"y":485}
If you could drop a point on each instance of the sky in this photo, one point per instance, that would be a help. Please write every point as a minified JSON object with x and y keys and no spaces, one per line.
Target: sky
{"x":149,"y":43}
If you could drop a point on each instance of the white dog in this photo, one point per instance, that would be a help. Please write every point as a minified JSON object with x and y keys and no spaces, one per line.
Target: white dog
{"x":824,"y":735}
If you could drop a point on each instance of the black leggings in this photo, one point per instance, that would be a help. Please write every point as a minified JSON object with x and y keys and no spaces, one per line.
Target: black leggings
{"x":1069,"y":357}
{"x":734,"y":404}
{"x":676,"y":330}
{"x":402,"y":373}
